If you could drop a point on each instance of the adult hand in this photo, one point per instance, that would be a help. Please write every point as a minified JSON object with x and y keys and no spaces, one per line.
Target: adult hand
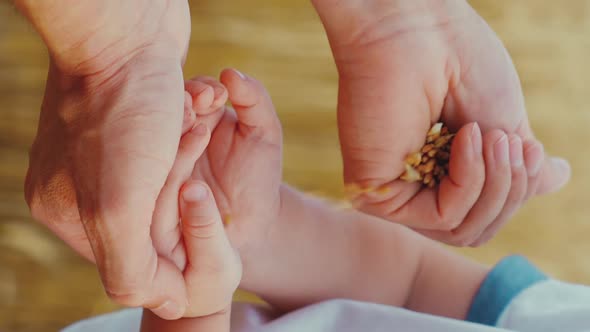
{"x":404,"y":65}
{"x":108,"y":135}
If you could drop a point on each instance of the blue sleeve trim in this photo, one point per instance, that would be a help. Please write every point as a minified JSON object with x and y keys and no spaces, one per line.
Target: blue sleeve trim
{"x":505,"y":281}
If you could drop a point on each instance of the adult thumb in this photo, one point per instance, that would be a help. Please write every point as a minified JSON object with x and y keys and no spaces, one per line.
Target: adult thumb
{"x":555,"y":173}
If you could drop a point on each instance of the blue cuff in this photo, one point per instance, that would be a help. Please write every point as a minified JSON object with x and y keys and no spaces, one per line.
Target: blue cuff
{"x":505,"y":281}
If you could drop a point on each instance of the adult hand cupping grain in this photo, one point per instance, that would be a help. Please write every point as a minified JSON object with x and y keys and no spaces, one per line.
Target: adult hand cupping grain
{"x":403,"y":66}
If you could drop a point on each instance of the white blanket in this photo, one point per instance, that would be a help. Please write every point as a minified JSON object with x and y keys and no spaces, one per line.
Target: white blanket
{"x":546,"y":306}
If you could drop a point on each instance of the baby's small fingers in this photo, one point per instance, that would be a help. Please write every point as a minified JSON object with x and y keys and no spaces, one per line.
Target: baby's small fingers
{"x":191,"y":147}
{"x":252,"y":104}
{"x":517,"y":191}
{"x":493,"y":195}
{"x":208,"y":94}
{"x":201,"y":93}
{"x":164,"y":230}
{"x":189,"y":118}
{"x":446,"y":209}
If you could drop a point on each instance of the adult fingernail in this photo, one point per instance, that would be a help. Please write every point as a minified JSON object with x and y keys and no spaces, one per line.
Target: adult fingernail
{"x":563,"y":167}
{"x":476,"y":139}
{"x":501,"y":150}
{"x":195,"y":192}
{"x":516,"y":158}
{"x":560,"y":164}
{"x":168,"y":310}
{"x":242,"y":76}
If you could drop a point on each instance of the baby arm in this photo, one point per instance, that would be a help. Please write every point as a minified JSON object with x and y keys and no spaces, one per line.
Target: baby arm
{"x":318,"y":252}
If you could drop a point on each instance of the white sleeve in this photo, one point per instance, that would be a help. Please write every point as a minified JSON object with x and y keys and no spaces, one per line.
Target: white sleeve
{"x":549,"y":306}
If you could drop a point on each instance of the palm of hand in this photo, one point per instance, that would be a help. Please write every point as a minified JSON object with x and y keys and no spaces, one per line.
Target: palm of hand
{"x":404,"y":66}
{"x":243,"y":169}
{"x":421,"y":69}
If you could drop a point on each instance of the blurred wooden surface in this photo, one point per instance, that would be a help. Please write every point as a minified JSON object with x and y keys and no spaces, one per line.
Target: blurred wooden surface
{"x":44,"y":286}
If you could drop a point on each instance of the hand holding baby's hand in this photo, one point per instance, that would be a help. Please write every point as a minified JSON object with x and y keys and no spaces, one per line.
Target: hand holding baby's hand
{"x":240,"y":161}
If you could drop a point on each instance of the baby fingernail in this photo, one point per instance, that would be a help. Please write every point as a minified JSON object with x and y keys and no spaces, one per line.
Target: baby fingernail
{"x":501,"y":150}
{"x":476,"y":139}
{"x":242,"y":76}
{"x":516,"y":158}
{"x":195,"y":192}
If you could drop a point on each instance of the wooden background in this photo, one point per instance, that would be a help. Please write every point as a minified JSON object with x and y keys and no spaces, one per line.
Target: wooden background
{"x":44,"y":286}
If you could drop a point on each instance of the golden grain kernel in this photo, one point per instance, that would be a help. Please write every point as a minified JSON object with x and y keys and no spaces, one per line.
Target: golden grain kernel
{"x":411,"y":174}
{"x":430,"y":165}
{"x":436,"y":129}
{"x":414,"y":159}
{"x":427,"y":148}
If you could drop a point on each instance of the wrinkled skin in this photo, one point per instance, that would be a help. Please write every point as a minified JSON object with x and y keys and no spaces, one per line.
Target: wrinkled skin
{"x":404,"y":65}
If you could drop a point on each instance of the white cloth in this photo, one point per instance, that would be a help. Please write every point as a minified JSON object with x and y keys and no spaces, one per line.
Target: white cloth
{"x":546,"y":306}
{"x":549,"y":306}
{"x":330,"y":316}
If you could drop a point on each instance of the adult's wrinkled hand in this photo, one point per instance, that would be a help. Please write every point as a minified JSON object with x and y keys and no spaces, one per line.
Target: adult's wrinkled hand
{"x":108,"y":135}
{"x":404,"y":65}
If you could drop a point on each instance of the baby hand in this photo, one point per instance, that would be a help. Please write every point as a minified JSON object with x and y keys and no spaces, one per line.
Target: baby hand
{"x":187,"y":228}
{"x":213,"y":270}
{"x":240,"y":161}
{"x":243,"y":162}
